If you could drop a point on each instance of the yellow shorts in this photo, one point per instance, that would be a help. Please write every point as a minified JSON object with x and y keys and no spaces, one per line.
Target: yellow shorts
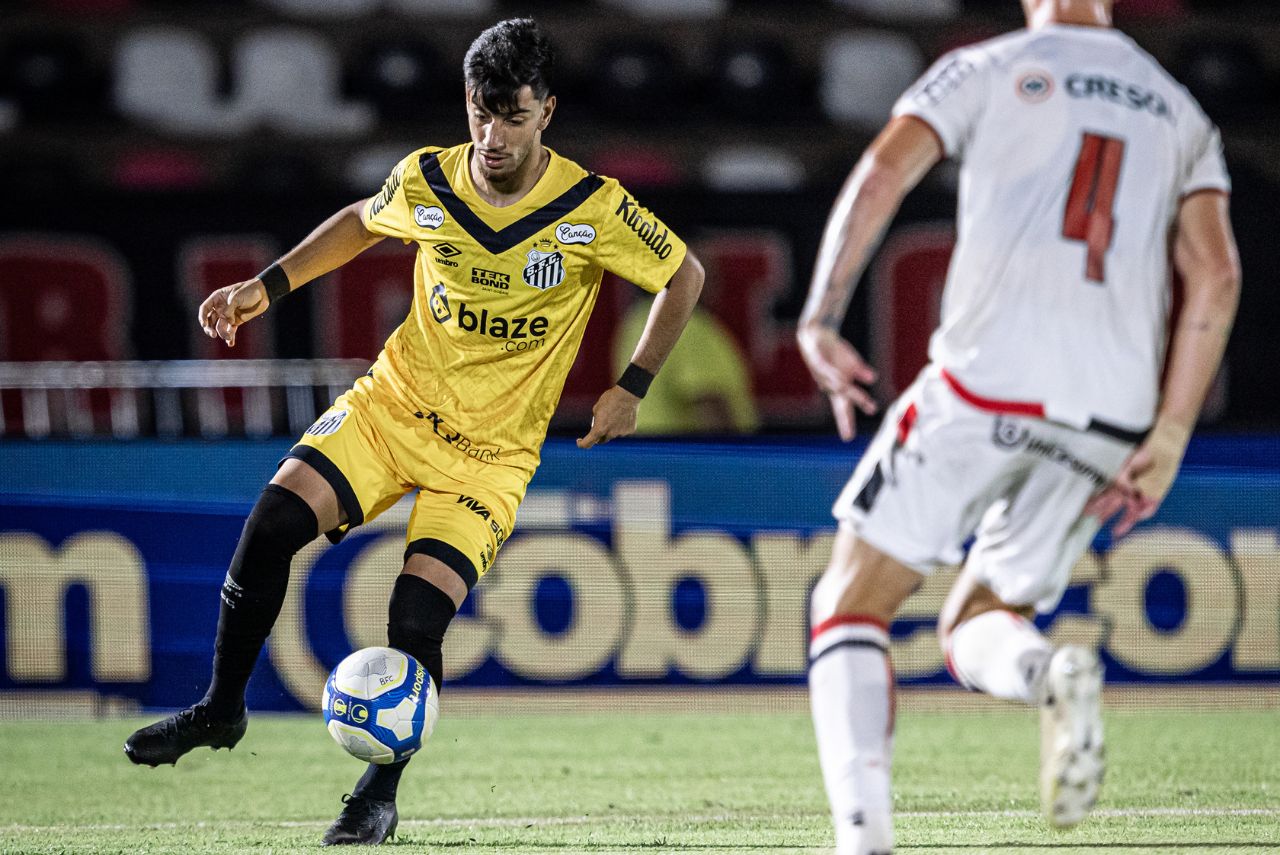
{"x":372,"y":448}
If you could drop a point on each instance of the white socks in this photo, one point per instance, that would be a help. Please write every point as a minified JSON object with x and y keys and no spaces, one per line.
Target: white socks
{"x":1000,"y":653}
{"x":851,"y":692}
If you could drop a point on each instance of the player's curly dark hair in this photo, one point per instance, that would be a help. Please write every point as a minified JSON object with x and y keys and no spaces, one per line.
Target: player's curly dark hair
{"x":505,"y":57}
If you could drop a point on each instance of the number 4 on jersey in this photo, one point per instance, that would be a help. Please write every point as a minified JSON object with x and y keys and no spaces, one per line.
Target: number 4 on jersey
{"x":1089,"y":216}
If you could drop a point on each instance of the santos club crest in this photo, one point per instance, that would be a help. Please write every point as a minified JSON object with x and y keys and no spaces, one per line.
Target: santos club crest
{"x":545,"y":269}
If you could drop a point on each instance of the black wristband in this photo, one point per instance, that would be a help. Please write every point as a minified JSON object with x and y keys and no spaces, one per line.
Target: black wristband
{"x":276,"y":281}
{"x":635,"y":380}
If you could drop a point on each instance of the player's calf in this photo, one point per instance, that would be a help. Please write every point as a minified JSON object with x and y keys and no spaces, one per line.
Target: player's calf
{"x":418,"y":616}
{"x":851,"y":689}
{"x":280,"y":524}
{"x":1000,"y":653}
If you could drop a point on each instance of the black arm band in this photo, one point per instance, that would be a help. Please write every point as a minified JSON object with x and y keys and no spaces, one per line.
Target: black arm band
{"x":635,"y":380}
{"x":276,"y":282}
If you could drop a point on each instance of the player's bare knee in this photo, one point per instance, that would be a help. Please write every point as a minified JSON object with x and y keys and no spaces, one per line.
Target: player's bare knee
{"x":827,"y":593}
{"x":299,"y":478}
{"x":440,"y":575}
{"x":862,"y":580}
{"x":968,"y":599}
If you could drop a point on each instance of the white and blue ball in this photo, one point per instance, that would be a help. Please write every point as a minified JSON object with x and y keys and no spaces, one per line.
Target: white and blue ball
{"x":380,"y":704}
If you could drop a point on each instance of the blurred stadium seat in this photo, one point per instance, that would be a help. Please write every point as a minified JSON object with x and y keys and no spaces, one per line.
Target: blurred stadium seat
{"x":279,"y":172}
{"x":167,"y":78}
{"x":9,"y":115}
{"x":431,"y":8}
{"x":753,"y":169}
{"x":50,"y":75}
{"x":306,"y":9}
{"x":289,"y":79}
{"x":639,"y":79}
{"x":89,"y":7}
{"x":368,"y":167}
{"x":864,"y":72}
{"x":731,"y":96}
{"x":1132,"y":10}
{"x":153,"y":168}
{"x":1227,"y":76}
{"x":756,"y":79}
{"x":400,"y":77}
{"x":637,"y":166}
{"x":669,"y":8}
{"x":905,"y":10}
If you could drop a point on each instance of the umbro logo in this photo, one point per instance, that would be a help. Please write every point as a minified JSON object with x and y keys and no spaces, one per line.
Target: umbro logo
{"x":444,"y":252}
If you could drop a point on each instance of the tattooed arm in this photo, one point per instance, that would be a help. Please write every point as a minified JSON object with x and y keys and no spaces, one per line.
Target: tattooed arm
{"x":893,"y":164}
{"x":1205,"y":255}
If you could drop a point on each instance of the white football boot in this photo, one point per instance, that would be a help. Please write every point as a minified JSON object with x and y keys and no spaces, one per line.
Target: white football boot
{"x":1072,"y":757}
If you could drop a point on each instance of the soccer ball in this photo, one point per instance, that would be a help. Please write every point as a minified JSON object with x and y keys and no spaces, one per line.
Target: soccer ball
{"x":380,"y":704}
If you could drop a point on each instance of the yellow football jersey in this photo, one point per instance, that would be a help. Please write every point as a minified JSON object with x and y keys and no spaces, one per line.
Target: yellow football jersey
{"x":502,"y":295}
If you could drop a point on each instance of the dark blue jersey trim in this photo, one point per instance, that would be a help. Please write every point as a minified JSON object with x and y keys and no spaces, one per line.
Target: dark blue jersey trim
{"x":446,"y":553}
{"x":498,"y":242}
{"x":329,"y":470}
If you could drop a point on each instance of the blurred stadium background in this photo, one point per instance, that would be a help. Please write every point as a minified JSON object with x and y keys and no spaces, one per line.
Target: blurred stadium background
{"x":152,"y":150}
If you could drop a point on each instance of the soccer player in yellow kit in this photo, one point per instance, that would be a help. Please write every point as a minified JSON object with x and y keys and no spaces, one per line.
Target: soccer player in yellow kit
{"x":513,"y":240}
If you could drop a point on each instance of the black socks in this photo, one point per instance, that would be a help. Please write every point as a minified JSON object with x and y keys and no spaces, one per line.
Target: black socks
{"x":418,"y":616}
{"x":280,"y":524}
{"x":381,"y":782}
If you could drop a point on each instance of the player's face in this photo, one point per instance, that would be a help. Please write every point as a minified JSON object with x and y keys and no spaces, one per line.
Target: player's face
{"x":504,"y":140}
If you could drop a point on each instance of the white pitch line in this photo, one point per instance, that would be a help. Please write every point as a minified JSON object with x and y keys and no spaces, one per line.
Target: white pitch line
{"x":1103,"y":812}
{"x":518,"y":822}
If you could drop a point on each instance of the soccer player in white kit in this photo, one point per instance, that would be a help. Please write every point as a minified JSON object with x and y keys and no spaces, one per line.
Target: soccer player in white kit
{"x":1043,"y":411}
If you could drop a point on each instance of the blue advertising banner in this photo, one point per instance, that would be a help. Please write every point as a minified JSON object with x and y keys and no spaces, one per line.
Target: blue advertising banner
{"x":634,"y":563}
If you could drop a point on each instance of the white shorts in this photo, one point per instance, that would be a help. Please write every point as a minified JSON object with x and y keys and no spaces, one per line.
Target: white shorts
{"x":940,"y":470}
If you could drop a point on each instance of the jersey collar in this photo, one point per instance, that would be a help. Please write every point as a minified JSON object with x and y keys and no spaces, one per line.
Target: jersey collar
{"x":498,"y":241}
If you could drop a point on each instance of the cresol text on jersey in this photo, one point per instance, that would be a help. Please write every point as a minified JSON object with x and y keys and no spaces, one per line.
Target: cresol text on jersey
{"x":1117,"y":92}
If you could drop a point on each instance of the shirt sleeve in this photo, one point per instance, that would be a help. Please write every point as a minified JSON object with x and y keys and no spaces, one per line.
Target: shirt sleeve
{"x":389,"y":213}
{"x":1207,"y":166}
{"x":635,"y":244}
{"x":949,"y":98}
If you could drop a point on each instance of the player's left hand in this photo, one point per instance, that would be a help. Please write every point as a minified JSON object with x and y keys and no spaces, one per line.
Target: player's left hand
{"x":841,"y":372}
{"x":1144,"y":480}
{"x":614,"y":415}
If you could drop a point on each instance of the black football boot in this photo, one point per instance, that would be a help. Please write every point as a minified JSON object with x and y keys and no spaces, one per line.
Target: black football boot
{"x":363,"y":821}
{"x":168,"y":739}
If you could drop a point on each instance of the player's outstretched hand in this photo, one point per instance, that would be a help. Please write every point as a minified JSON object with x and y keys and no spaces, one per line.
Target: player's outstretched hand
{"x":840,"y":372}
{"x":1144,"y":479}
{"x":614,"y":415}
{"x":227,"y":308}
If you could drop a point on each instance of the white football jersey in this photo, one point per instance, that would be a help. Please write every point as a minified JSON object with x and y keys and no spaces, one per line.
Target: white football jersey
{"x":1076,"y":149}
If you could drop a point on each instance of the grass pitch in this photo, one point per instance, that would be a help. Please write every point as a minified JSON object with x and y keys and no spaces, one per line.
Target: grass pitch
{"x":617,"y":782}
